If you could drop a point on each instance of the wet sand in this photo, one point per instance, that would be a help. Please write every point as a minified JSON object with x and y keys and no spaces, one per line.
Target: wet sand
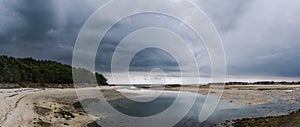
{"x":53,"y":107}
{"x":46,"y":107}
{"x":253,"y":95}
{"x":247,"y":94}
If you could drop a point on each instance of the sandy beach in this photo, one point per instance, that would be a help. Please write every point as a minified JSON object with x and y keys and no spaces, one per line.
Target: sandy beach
{"x":247,"y":94}
{"x":28,"y":107}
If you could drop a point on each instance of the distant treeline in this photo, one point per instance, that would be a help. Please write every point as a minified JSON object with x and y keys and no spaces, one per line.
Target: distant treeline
{"x":264,"y":83}
{"x":30,"y":71}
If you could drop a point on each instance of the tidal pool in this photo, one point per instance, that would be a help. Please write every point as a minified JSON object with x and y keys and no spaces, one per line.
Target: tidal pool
{"x":224,"y":111}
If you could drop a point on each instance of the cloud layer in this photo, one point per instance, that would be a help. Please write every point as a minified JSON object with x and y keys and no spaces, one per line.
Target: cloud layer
{"x":260,"y":37}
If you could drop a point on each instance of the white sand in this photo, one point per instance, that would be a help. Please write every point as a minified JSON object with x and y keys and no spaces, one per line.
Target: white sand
{"x":17,"y":104}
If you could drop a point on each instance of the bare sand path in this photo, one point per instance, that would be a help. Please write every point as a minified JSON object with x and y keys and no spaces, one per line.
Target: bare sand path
{"x":13,"y":107}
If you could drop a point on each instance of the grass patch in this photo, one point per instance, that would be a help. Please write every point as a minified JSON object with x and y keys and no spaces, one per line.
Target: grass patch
{"x":41,"y":124}
{"x":64,"y":114}
{"x":93,"y":124}
{"x":41,"y":110}
{"x":290,"y":120}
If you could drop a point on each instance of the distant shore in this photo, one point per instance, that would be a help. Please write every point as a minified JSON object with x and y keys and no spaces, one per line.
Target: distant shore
{"x":244,"y":94}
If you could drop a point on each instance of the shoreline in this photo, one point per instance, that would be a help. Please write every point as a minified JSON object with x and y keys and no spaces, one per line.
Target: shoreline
{"x":245,"y":94}
{"x":39,"y":106}
{"x":289,"y":120}
{"x":45,"y":107}
{"x":253,"y":95}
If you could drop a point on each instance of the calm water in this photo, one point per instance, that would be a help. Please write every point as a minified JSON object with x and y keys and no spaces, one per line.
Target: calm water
{"x":225,"y":110}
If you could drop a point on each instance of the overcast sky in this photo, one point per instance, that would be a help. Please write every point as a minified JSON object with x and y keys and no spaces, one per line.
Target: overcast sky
{"x":260,"y":37}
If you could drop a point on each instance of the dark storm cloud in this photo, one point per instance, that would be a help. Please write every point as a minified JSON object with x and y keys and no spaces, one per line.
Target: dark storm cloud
{"x":149,"y":59}
{"x":38,"y":19}
{"x":265,"y":40}
{"x":224,"y":14}
{"x":260,"y":37}
{"x":152,"y":58}
{"x":43,"y":29}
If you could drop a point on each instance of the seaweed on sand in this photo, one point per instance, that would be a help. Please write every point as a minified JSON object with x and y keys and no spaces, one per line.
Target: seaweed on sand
{"x":290,"y":120}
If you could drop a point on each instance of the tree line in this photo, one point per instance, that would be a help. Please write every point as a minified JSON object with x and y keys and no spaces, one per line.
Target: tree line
{"x":31,"y":71}
{"x":264,"y":83}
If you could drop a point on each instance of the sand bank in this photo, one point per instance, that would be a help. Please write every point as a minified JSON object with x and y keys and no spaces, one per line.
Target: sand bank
{"x":45,"y":107}
{"x":248,"y":94}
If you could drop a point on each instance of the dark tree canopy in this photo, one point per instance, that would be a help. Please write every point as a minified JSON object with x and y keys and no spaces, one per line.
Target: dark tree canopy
{"x":28,"y":70}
